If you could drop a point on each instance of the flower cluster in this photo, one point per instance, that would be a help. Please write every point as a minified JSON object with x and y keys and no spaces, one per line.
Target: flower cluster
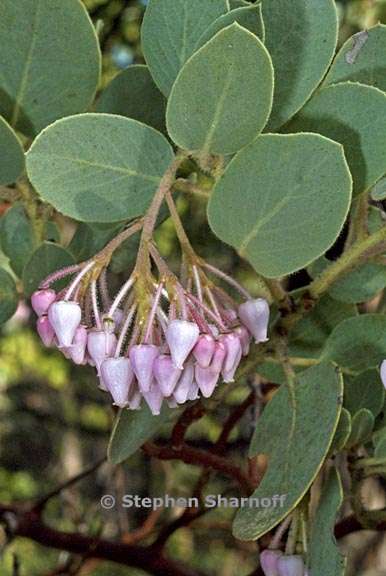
{"x":159,"y":338}
{"x":275,"y":563}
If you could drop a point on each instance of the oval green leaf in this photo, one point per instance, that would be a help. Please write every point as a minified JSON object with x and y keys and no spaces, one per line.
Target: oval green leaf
{"x":358,"y":343}
{"x":170,"y":32}
{"x":11,"y":154}
{"x":301,"y":37}
{"x":98,"y":167}
{"x":46,"y":259}
{"x":355,"y":116}
{"x":8,"y":296}
{"x":361,"y":59}
{"x":270,"y":187}
{"x":249,"y":17}
{"x":342,"y":432}
{"x":223,"y":95}
{"x":133,"y":94}
{"x":362,"y":425}
{"x":364,"y":391}
{"x":50,"y":61}
{"x":306,"y":418}
{"x":17,"y":237}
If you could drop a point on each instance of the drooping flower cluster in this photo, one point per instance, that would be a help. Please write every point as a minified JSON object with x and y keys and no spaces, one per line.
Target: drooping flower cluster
{"x":159,"y":338}
{"x":275,"y":563}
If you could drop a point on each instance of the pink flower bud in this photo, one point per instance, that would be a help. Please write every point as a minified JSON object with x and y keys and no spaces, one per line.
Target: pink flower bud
{"x":194,"y":391}
{"x":166,"y":374}
{"x":45,"y":330}
{"x":154,"y":398}
{"x":218,"y":357}
{"x":290,"y":566}
{"x":254,"y":314}
{"x":64,"y":318}
{"x":135,"y":398}
{"x":206,"y":379}
{"x":142,"y":358}
{"x":181,"y":337}
{"x":383,"y":373}
{"x":245,"y":339}
{"x":100,"y":345}
{"x":117,"y":375}
{"x":204,"y":350}
{"x":233,"y":351}
{"x":181,"y":391}
{"x":268,"y":562}
{"x":41,"y":300}
{"x":77,"y":350}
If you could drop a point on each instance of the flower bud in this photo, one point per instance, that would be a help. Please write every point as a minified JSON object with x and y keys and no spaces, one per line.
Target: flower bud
{"x":194,"y":391}
{"x":41,"y":300}
{"x":383,"y":372}
{"x":135,"y":398}
{"x":181,"y":337}
{"x":142,"y":358}
{"x":218,"y":357}
{"x":206,"y":379}
{"x":77,"y":350}
{"x":268,"y":562}
{"x":254,"y":314}
{"x":100,"y":345}
{"x":154,"y":398}
{"x":45,"y":330}
{"x":290,"y":566}
{"x":245,"y":339}
{"x":181,"y":391}
{"x":117,"y":375}
{"x":64,"y":318}
{"x":166,"y":374}
{"x":204,"y":350}
{"x":233,"y":356}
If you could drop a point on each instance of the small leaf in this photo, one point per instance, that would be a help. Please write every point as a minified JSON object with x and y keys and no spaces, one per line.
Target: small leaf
{"x":324,"y":554}
{"x":50,"y":61}
{"x":98,"y":167}
{"x":170,"y":32}
{"x":355,"y":116}
{"x":46,"y":259}
{"x":132,"y":93}
{"x":249,"y":17}
{"x":271,"y":186}
{"x":8,"y":296}
{"x":342,"y":433}
{"x":223,"y":95}
{"x":361,"y":59}
{"x":295,"y":433}
{"x":11,"y":154}
{"x":380,"y":448}
{"x":378,"y":193}
{"x":358,"y":343}
{"x":133,"y":428}
{"x":17,"y":237}
{"x":362,"y":425}
{"x":359,"y":285}
{"x":364,"y":391}
{"x":301,"y":38}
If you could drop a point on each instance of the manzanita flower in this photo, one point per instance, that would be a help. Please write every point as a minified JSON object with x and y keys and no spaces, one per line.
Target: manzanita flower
{"x":383,"y":372}
{"x":174,"y":341}
{"x":269,"y":562}
{"x":290,"y":566}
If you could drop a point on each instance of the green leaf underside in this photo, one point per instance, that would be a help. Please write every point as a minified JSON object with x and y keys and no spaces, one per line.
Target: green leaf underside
{"x":324,"y":555}
{"x":17,"y":237}
{"x":308,"y":419}
{"x":223,"y":95}
{"x":46,"y":259}
{"x":359,"y":285}
{"x":368,"y":63}
{"x":170,"y":32}
{"x":273,"y":185}
{"x":8,"y":296}
{"x":133,"y":94}
{"x":50,"y":61}
{"x":249,"y":17}
{"x":133,"y":428}
{"x":301,"y":37}
{"x":362,"y":425}
{"x":358,"y":343}
{"x":11,"y":154}
{"x":364,"y":391}
{"x":98,"y":167}
{"x":355,"y":116}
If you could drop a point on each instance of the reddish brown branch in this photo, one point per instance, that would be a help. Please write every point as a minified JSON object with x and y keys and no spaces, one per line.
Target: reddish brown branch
{"x":189,"y":415}
{"x":232,"y":420}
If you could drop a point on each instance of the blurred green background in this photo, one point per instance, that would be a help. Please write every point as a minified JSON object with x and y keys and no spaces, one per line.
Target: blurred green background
{"x":54,"y":421}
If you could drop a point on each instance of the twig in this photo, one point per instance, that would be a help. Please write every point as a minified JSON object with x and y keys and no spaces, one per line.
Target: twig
{"x":189,"y":415}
